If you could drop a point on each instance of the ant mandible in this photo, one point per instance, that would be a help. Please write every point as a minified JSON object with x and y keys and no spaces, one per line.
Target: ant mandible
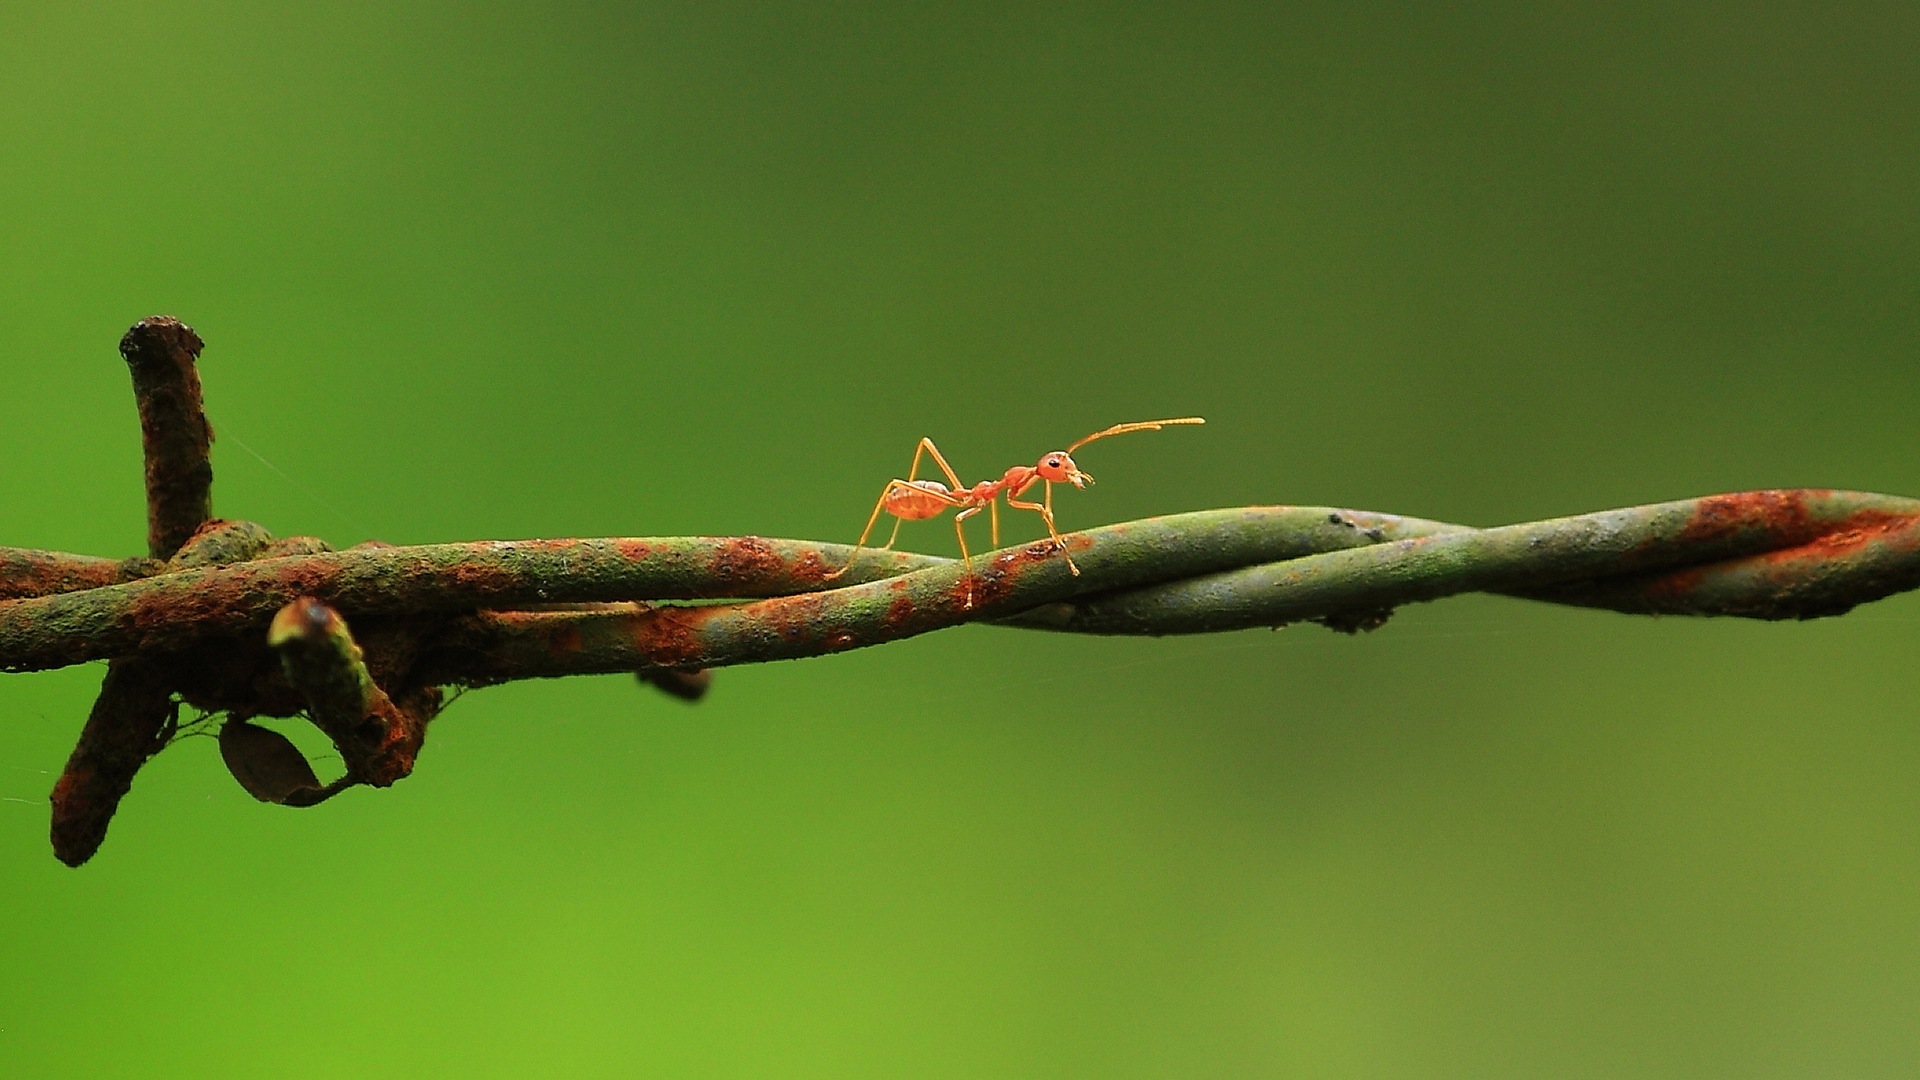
{"x":917,"y":500}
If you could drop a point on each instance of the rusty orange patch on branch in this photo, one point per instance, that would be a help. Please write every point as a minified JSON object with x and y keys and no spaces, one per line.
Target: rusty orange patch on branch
{"x":747,"y":559}
{"x":1781,"y":514}
{"x":670,"y":636}
{"x":1847,"y":536}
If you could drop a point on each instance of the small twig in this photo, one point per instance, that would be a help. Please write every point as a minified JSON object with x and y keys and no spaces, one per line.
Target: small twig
{"x":173,"y":610}
{"x":1760,"y":554}
{"x":129,"y":723}
{"x":134,"y":715}
{"x":25,"y":572}
{"x":1720,"y":538}
{"x":376,"y":739}
{"x":160,"y":352}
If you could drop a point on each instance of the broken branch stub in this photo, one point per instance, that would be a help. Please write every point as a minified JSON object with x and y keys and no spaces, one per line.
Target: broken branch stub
{"x":376,"y":738}
{"x":174,"y":433}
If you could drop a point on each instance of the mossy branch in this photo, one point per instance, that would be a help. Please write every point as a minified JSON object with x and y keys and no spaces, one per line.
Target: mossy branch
{"x":239,"y":623}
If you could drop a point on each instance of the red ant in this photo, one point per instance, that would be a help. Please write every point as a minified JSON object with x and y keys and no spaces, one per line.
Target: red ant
{"x":917,"y":500}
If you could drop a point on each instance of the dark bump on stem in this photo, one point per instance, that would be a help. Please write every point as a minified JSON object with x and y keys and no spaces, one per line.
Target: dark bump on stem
{"x":1359,"y":621}
{"x":160,"y":353}
{"x":687,"y":685}
{"x":218,"y":542}
{"x":295,"y":545}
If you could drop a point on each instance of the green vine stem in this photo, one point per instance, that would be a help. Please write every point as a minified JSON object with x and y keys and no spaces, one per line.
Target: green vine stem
{"x":238,"y":623}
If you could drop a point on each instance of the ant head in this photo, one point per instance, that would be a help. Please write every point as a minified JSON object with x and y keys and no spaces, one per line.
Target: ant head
{"x":1058,"y":467}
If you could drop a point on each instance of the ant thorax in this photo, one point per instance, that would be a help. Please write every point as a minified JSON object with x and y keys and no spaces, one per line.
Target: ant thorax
{"x":1018,"y":479}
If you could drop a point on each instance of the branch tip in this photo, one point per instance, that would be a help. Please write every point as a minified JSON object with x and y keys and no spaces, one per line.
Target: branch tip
{"x":376,"y":738}
{"x":131,"y":720}
{"x":161,"y":353}
{"x":308,"y":621}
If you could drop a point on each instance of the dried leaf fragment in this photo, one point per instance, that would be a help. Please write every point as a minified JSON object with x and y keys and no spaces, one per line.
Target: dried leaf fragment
{"x":268,"y":765}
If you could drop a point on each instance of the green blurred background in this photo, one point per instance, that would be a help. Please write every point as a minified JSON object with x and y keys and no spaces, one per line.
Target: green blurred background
{"x":471,"y":272}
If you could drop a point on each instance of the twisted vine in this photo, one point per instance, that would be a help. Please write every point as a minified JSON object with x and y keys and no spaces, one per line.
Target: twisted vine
{"x":227,"y":619}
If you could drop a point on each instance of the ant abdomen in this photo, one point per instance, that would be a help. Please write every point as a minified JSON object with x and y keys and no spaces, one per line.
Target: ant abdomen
{"x":917,"y":500}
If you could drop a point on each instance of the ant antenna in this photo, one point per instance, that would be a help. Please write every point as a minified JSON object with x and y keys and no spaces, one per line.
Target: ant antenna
{"x":1144,"y":425}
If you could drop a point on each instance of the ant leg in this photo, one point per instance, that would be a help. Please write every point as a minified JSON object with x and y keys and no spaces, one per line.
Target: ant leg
{"x":1046,"y":514}
{"x":994,"y":516}
{"x":926,"y":447}
{"x":878,"y":508}
{"x":966,"y":559}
